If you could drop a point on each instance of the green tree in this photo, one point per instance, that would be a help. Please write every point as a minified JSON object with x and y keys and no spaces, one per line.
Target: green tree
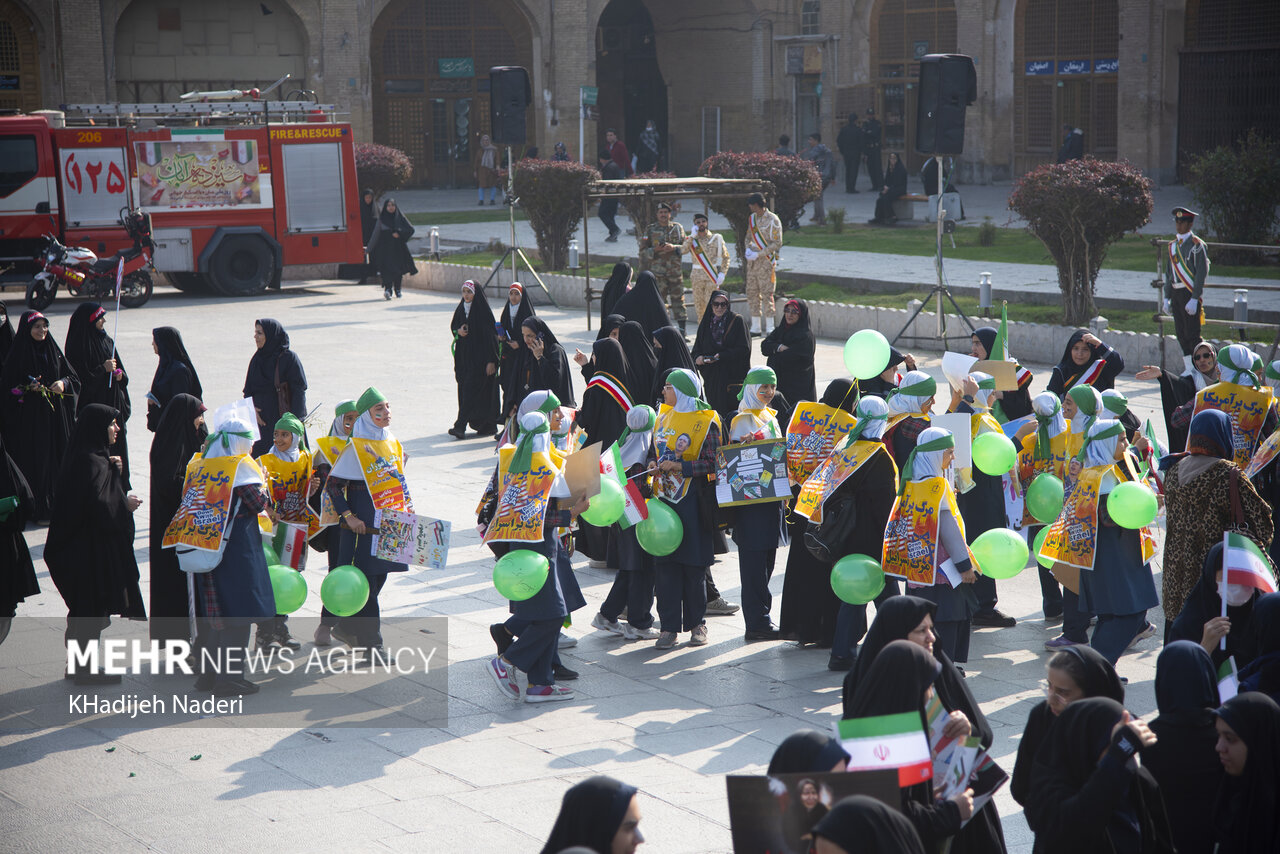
{"x":550,"y":193}
{"x":1237,"y":189}
{"x":1078,"y":209}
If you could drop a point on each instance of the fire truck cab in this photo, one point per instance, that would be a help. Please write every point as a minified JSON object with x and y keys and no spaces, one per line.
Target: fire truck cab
{"x":235,"y":190}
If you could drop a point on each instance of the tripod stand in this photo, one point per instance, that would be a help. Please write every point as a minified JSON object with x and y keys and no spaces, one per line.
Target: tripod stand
{"x":513,"y":250}
{"x":940,"y":289}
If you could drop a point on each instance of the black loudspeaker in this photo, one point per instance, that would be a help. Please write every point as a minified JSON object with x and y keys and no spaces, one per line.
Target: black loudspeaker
{"x":948,"y":84}
{"x":509,"y":97}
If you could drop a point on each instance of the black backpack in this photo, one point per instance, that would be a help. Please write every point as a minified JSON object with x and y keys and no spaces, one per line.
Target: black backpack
{"x":827,"y":541}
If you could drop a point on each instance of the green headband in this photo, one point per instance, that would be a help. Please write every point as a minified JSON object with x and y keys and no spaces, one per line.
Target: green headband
{"x":757,"y":376}
{"x":941,"y":443}
{"x":221,"y":436}
{"x":289,"y":422}
{"x":1115,"y":402}
{"x":682,"y":382}
{"x":925,"y":388}
{"x":989,"y":384}
{"x":1116,"y":429}
{"x":1086,"y":398}
{"x":343,"y":408}
{"x":864,"y":421}
{"x":1273,"y":372}
{"x":552,"y":402}
{"x":522,"y":460}
{"x":371,"y":398}
{"x":1042,"y":431}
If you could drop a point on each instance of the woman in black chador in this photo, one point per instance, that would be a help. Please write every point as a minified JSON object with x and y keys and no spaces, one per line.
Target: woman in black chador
{"x":275,"y":375}
{"x":389,"y":248}
{"x":180,"y":434}
{"x":175,"y":374}
{"x":475,"y":363}
{"x":722,"y":353}
{"x":103,"y":379}
{"x":90,"y":545}
{"x":39,"y":407}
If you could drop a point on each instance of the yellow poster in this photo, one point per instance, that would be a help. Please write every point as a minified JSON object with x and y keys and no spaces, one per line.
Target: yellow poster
{"x":814,"y":430}
{"x":330,"y":448}
{"x":522,"y":500}
{"x":1266,"y":452}
{"x":287,"y":486}
{"x":911,"y":536}
{"x":202,"y":517}
{"x":679,"y":436}
{"x":832,"y":472}
{"x":1073,"y":537}
{"x":382,"y":462}
{"x":1246,"y":407}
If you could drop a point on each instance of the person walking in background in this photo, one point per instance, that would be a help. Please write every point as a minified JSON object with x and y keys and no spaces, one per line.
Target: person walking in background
{"x":485,"y":170}
{"x":389,"y":248}
{"x":650,"y":150}
{"x":559,"y":154}
{"x":824,"y":161}
{"x":1072,"y":144}
{"x":618,"y":152}
{"x":475,"y":363}
{"x":784,"y":148}
{"x":610,"y":171}
{"x":368,"y":215}
{"x":1184,"y":277}
{"x":849,"y":142}
{"x":871,"y":140}
{"x":764,"y":242}
{"x":710,"y":265}
{"x":660,"y":250}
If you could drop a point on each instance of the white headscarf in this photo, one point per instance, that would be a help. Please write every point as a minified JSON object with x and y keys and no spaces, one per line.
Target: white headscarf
{"x":875,"y":412}
{"x":348,"y":465}
{"x":533,"y":402}
{"x":908,"y":404}
{"x":685,"y":402}
{"x":982,"y":397}
{"x":540,"y":443}
{"x":1201,"y":380}
{"x":1273,"y":375}
{"x":335,"y":427}
{"x":929,"y":463}
{"x":1046,"y":404}
{"x":290,"y":454}
{"x":365,"y":429}
{"x":635,"y":448}
{"x":1101,"y":452}
{"x":222,"y":443}
{"x":1236,"y":363}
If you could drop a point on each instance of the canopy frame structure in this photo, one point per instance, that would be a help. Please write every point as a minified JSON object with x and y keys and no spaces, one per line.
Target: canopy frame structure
{"x":650,"y":192}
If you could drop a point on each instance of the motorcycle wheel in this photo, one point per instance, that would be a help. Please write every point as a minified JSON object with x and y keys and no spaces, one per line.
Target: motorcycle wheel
{"x":135,"y":290}
{"x":40,"y":296}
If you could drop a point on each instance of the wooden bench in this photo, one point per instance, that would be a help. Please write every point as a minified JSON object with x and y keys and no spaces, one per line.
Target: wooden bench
{"x":905,"y":207}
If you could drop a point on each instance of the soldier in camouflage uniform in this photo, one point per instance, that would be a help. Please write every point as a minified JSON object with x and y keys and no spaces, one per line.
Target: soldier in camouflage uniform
{"x":660,"y":250}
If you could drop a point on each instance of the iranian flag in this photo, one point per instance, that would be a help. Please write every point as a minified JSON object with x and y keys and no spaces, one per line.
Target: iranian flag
{"x":1000,"y":347}
{"x":634,"y":509}
{"x":888,"y":741}
{"x":1244,"y":563}
{"x":290,"y":544}
{"x":1228,"y":680}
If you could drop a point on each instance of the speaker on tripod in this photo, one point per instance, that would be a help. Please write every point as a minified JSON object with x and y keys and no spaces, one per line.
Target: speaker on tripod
{"x":509,"y":97}
{"x":948,"y":84}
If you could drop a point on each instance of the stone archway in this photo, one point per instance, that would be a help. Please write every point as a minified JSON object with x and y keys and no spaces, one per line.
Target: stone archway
{"x":430,"y":61}
{"x":632,"y":88}
{"x":164,"y":48}
{"x":19,"y":60}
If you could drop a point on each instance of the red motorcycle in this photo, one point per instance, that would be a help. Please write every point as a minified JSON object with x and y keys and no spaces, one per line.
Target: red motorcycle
{"x":86,"y":275}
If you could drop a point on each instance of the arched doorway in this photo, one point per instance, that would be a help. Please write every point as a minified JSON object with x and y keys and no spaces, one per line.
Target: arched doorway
{"x":1066,"y":63}
{"x":167,"y":47}
{"x":632,"y":89}
{"x":1228,"y":74}
{"x":431,"y":61}
{"x":902,"y":31}
{"x":19,"y":60}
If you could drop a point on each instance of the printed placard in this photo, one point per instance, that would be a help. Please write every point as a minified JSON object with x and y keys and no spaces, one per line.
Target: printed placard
{"x":752,"y":473}
{"x":412,"y":539}
{"x":772,"y":814}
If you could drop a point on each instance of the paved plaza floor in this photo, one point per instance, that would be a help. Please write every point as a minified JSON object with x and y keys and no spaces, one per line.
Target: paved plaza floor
{"x":673,"y":723}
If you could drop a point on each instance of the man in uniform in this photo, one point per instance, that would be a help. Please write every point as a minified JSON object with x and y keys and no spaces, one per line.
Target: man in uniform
{"x":660,"y":251}
{"x":871,"y":133}
{"x":710,"y":259}
{"x":1184,"y":282}
{"x":849,"y":141}
{"x":764,"y":241}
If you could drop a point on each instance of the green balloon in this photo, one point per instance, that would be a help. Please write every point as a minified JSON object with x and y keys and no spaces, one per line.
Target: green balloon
{"x":1039,"y":544}
{"x":993,"y":453}
{"x":857,"y":579}
{"x":662,"y":532}
{"x":270,"y":554}
{"x":289,"y":587}
{"x":866,"y":354}
{"x":344,"y":590}
{"x":1132,"y":505}
{"x":1000,"y":553}
{"x":520,"y":574}
{"x":1044,"y":498}
{"x":606,"y":506}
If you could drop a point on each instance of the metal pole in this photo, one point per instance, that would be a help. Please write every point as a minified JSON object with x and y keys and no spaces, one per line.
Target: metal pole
{"x":511,"y":212}
{"x":586,"y":251}
{"x":582,"y":124}
{"x":938,"y":256}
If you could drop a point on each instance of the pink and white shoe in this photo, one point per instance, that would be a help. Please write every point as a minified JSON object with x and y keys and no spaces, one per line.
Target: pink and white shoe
{"x":547,"y":693}
{"x":504,"y":675}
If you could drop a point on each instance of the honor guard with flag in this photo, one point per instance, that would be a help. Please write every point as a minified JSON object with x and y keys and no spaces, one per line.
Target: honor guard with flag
{"x":1188,"y":265}
{"x":660,"y":250}
{"x":764,"y":242}
{"x":710,"y":259}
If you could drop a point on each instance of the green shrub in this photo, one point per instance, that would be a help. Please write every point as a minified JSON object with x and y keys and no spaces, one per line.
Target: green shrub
{"x":795,"y":182}
{"x":550,"y":193}
{"x":1078,"y":209}
{"x":987,"y":232}
{"x":836,"y":217}
{"x":381,"y":168}
{"x":1237,"y":190}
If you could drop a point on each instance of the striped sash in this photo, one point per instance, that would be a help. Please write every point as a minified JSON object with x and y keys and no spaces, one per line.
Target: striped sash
{"x":1090,"y":374}
{"x":613,"y":387}
{"x":703,"y":261}
{"x":753,"y":236}
{"x":1182,"y":274}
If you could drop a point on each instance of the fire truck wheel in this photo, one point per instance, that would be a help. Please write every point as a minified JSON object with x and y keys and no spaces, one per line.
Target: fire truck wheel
{"x":40,"y":295}
{"x":196,"y":282}
{"x":136,"y":289}
{"x":242,"y":266}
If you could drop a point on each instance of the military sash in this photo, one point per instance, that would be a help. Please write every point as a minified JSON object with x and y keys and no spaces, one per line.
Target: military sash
{"x":756,"y":240}
{"x":205,"y":512}
{"x":522,"y":499}
{"x":911,"y":536}
{"x":815,"y":430}
{"x":679,"y":436}
{"x":838,"y":467}
{"x":1182,"y":275}
{"x":1246,"y":407}
{"x":700,"y":256}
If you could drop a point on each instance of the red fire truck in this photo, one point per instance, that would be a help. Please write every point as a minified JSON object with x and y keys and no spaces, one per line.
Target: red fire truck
{"x":235,"y":190}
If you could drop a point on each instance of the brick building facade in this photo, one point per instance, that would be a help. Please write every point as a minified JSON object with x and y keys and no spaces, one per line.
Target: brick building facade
{"x":713,"y":74}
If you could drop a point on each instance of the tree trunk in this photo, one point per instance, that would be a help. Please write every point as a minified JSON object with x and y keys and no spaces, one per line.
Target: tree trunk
{"x":1077,"y":294}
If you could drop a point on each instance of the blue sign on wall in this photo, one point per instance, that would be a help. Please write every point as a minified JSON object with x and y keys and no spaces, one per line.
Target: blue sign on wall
{"x":457,"y":67}
{"x":1106,"y":66}
{"x":1042,"y":66}
{"x":1073,"y":66}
